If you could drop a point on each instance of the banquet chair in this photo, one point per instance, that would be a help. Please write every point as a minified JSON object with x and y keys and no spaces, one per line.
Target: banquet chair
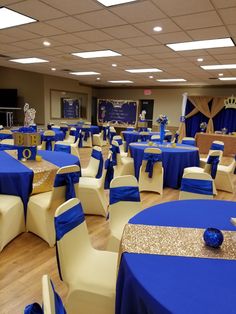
{"x":143,"y":136}
{"x":48,"y":141}
{"x":225,"y":176}
{"x":7,"y":141}
{"x":87,"y":123}
{"x":71,"y":138}
{"x":98,"y":139}
{"x":52,"y":303}
{"x":87,"y":136}
{"x":155,"y":138}
{"x":1,"y":127}
{"x":122,"y":165}
{"x":41,"y":207}
{"x":149,"y":129}
{"x":90,"y":274}
{"x":216,"y":145}
{"x":92,"y":195}
{"x":188,"y":141}
{"x":151,"y":172}
{"x":168,"y":136}
{"x":12,"y":222}
{"x":112,"y":133}
{"x":71,"y":148}
{"x":196,"y":185}
{"x":129,"y":128}
{"x":122,"y":145}
{"x":124,"y":204}
{"x":5,"y":131}
{"x":65,"y":129}
{"x":95,"y":165}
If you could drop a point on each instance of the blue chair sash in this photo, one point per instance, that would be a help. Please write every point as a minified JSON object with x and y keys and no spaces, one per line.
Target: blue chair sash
{"x":48,"y":139}
{"x":59,"y":307}
{"x":62,"y":148}
{"x":144,"y":138}
{"x":213,"y":161}
{"x":142,"y":129}
{"x":80,"y":139}
{"x":33,"y":308}
{"x":204,"y":187}
{"x":49,"y":126}
{"x":151,"y":160}
{"x":115,"y":150}
{"x":26,"y":130}
{"x":129,"y":129}
{"x":98,"y":155}
{"x":124,"y":194}
{"x":189,"y":142}
{"x":168,"y":138}
{"x":68,"y":180}
{"x":176,"y":136}
{"x":215,"y":146}
{"x":112,"y":134}
{"x":74,"y":133}
{"x":87,"y":134}
{"x":104,"y":133}
{"x":110,"y":173}
{"x":119,"y":141}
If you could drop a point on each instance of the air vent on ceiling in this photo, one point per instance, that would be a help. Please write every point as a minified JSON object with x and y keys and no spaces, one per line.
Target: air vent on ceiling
{"x":66,"y":70}
{"x":5,"y":56}
{"x":213,"y":78}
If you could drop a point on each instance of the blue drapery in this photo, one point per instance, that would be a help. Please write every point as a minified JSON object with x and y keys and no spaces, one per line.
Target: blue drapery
{"x":213,"y":161}
{"x":68,"y":180}
{"x":98,"y":155}
{"x":124,"y":194}
{"x":151,"y":160}
{"x":62,"y":148}
{"x":197,"y":186}
{"x":226,"y":118}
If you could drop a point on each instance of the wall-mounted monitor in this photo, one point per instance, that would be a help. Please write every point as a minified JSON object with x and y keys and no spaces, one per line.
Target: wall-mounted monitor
{"x":8,"y":98}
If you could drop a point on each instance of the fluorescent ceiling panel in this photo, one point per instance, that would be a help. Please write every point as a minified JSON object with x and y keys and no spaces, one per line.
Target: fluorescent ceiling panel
{"x":85,"y":73}
{"x":202,"y":44}
{"x":218,"y":66}
{"x":120,"y":82}
{"x":96,"y":54}
{"x":109,"y":3}
{"x":29,"y":60}
{"x":9,"y":18}
{"x":171,"y":80}
{"x":227,"y":78}
{"x":143,"y":70}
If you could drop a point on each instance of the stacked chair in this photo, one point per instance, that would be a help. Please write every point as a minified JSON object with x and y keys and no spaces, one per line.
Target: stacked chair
{"x":216,"y":145}
{"x":124,"y":204}
{"x":151,"y":171}
{"x":89,"y":274}
{"x":189,"y":141}
{"x":122,"y":165}
{"x":95,"y":166}
{"x":41,"y":207}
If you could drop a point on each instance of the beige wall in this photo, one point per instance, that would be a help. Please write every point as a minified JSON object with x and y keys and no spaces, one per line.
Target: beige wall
{"x":166,"y":100}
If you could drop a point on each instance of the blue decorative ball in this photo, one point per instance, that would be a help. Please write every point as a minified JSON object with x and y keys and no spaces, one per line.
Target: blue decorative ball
{"x":213,"y":237}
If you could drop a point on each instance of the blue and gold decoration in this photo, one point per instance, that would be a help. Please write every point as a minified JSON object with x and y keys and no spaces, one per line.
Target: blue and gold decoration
{"x":26,"y":144}
{"x":213,"y":237}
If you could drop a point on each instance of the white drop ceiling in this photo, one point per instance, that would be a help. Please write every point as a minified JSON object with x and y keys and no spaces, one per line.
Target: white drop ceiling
{"x":85,"y":25}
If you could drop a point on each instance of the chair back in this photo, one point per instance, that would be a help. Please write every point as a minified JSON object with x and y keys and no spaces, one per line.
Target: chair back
{"x":130,"y":129}
{"x":196,"y":185}
{"x":155,"y":138}
{"x":5,"y":131}
{"x":168,"y":137}
{"x":72,"y":238}
{"x":48,"y":141}
{"x":87,"y":123}
{"x":217,"y":145}
{"x":189,"y":141}
{"x":144,"y":136}
{"x":65,"y":129}
{"x":152,"y":160}
{"x":119,"y":140}
{"x":72,"y":135}
{"x":115,"y":150}
{"x":96,"y":161}
{"x":213,"y":160}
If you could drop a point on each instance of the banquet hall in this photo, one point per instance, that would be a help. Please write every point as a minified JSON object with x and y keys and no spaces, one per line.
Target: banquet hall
{"x":117,"y":156}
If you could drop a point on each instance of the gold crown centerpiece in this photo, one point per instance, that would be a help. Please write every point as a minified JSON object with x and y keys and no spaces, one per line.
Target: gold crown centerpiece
{"x":230,"y":102}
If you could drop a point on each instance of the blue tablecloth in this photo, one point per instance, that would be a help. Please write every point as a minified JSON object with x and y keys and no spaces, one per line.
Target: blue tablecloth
{"x":159,"y":284}
{"x":174,"y":161}
{"x":134,"y":136}
{"x":5,"y":136}
{"x":94,"y":129}
{"x":59,"y":135}
{"x":16,"y":178}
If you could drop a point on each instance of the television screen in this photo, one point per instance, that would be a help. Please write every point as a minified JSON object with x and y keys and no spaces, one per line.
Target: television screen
{"x":8,"y":97}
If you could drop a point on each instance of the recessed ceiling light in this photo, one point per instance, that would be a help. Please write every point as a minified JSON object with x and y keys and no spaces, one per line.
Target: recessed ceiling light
{"x":202,"y":44}
{"x":218,"y":66}
{"x":109,"y":3}
{"x":227,"y":78}
{"x":150,"y":76}
{"x":53,"y":69}
{"x":200,"y":59}
{"x":114,"y":65}
{"x":171,"y":80}
{"x":98,"y":78}
{"x":120,"y":82}
{"x":157,"y":29}
{"x":85,"y":73}
{"x":96,"y":54}
{"x":220,"y":74}
{"x":46,"y":43}
{"x":29,"y":60}
{"x":9,"y":18}
{"x":153,"y":70}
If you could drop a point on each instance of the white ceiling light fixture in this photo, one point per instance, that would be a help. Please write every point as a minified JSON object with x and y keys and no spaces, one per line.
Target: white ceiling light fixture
{"x":114,"y":65}
{"x":46,"y":43}
{"x":227,"y":78}
{"x":109,"y":3}
{"x":53,"y":69}
{"x":200,"y":59}
{"x":9,"y":18}
{"x":98,"y":79}
{"x":85,"y":73}
{"x":218,"y":66}
{"x":202,"y":44}
{"x":28,"y":60}
{"x":157,"y":29}
{"x":150,"y":76}
{"x":96,"y":54}
{"x":220,"y":74}
{"x":153,"y":70}
{"x":120,"y":82}
{"x":171,"y":80}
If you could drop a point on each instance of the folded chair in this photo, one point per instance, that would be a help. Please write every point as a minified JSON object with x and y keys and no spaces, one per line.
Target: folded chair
{"x":94,"y":168}
{"x":122,"y":165}
{"x":216,"y":145}
{"x":189,"y":141}
{"x":12,"y":222}
{"x":41,"y":207}
{"x":196,"y":186}
{"x":151,"y":171}
{"x":89,"y":274}
{"x":52,"y":303}
{"x":124,"y":203}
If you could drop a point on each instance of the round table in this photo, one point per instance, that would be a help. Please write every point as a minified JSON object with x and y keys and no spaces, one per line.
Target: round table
{"x":174,"y":160}
{"x":134,"y":136}
{"x":160,"y":284}
{"x":16,"y":178}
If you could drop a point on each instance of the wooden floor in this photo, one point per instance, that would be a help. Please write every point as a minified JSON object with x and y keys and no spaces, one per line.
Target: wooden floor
{"x":27,"y":258}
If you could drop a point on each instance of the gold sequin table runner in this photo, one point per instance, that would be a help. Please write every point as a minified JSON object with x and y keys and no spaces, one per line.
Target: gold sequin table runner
{"x":44,"y":173}
{"x":165,"y":146}
{"x":175,"y":241}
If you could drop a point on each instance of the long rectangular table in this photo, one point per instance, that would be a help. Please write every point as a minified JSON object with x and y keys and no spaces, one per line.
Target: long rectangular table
{"x":204,"y":141}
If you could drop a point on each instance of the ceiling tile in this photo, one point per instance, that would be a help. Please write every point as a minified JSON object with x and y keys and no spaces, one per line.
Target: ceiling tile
{"x":113,"y":44}
{"x":209,"y":33}
{"x":141,"y":41}
{"x":172,"y":37}
{"x":69,"y":24}
{"x":94,"y":35}
{"x":228,"y":15}
{"x":42,"y":29}
{"x":199,"y":20}
{"x":223,"y":4}
{"x":124,"y":31}
{"x":87,"y":47}
{"x":18,"y":33}
{"x":68,"y":39}
{"x":155,"y":49}
{"x":181,"y":7}
{"x":27,"y":45}
{"x":74,"y":6}
{"x":6,"y":39}
{"x":138,"y":12}
{"x":130,"y":51}
{"x":166,"y":24}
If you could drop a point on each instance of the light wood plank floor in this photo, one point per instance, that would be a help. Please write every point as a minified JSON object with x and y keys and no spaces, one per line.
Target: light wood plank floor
{"x":27,"y":258}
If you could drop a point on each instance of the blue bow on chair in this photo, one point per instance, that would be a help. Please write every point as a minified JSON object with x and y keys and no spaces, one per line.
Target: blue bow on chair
{"x":112,"y":134}
{"x":64,"y":129}
{"x":144,"y":138}
{"x":168,"y":138}
{"x":98,"y":155}
{"x":68,"y":180}
{"x":104,"y":128}
{"x":74,"y":133}
{"x":109,"y":166}
{"x":125,"y":194}
{"x":33,"y":308}
{"x":151,"y":160}
{"x":213,"y":161}
{"x":48,"y":139}
{"x":176,"y":137}
{"x":86,"y":134}
{"x":115,"y":150}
